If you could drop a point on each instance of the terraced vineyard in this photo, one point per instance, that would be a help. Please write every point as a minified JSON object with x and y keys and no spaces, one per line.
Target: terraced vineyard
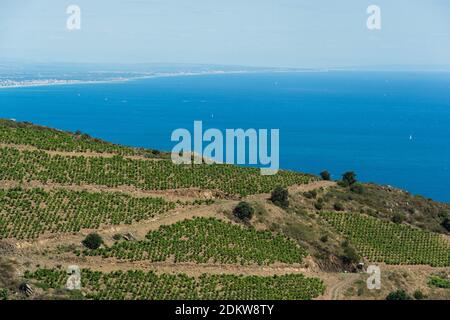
{"x":144,"y":174}
{"x":140,"y":285}
{"x":207,"y":240}
{"x":200,"y":246}
{"x":28,"y":213}
{"x":382,"y":241}
{"x":50,"y":139}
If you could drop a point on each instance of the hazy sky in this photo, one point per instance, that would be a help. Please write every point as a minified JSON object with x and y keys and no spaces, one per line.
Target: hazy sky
{"x":291,"y":33}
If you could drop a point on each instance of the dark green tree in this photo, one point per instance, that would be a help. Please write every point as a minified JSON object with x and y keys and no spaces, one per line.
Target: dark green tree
{"x":418,"y":295}
{"x":93,"y":241}
{"x":398,"y":218}
{"x":357,"y":188}
{"x":350,"y":255}
{"x":398,"y":295}
{"x":446,"y":223}
{"x":338,"y":206}
{"x":280,"y":197}
{"x":243,"y":211}
{"x":349,"y":178}
{"x":325,"y":175}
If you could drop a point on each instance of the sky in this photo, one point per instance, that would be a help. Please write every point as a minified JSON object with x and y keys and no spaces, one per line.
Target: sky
{"x":267,"y":33}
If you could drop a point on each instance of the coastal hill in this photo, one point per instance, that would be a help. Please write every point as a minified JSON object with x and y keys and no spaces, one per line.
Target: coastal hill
{"x":140,"y":227}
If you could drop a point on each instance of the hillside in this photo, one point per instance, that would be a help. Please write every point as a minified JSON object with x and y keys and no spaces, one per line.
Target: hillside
{"x":170,"y":232}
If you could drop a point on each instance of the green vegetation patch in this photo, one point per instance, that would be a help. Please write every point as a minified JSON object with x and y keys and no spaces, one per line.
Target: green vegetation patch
{"x":144,"y":174}
{"x":383,"y":241}
{"x":439,"y":282}
{"x":28,"y":213}
{"x":140,"y":285}
{"x":207,"y":240}
{"x":20,"y":133}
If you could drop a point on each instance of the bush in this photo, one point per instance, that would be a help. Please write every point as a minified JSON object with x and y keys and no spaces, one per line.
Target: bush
{"x":349,"y":178}
{"x":350,"y":255}
{"x":324,"y":238}
{"x":325,"y":175}
{"x":446,"y":223}
{"x":279,"y":197}
{"x":418,"y":295}
{"x":243,"y":211}
{"x":398,"y":295}
{"x":436,"y":281}
{"x":398,"y":218}
{"x":357,"y":188}
{"x":318,"y":205}
{"x":117,"y":237}
{"x":3,"y":294}
{"x":310,"y":194}
{"x":338,"y":206}
{"x":93,"y":241}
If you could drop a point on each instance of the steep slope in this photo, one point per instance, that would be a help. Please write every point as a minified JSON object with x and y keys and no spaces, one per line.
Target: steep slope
{"x":173,"y":227}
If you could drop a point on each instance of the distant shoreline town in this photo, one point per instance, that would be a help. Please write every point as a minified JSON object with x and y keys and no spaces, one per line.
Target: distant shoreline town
{"x":8,"y":83}
{"x":53,"y":80}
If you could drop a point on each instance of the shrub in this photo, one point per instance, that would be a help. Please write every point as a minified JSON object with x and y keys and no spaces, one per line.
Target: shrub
{"x":350,"y":255}
{"x":349,"y":178}
{"x":310,"y":194}
{"x":117,"y":237}
{"x":93,"y":241}
{"x":338,"y":206}
{"x":325,"y":175}
{"x":398,"y":295}
{"x":398,"y":218}
{"x":280,"y":196}
{"x":436,"y":281}
{"x":342,"y":184}
{"x":3,"y":294}
{"x":357,"y":188}
{"x":446,"y":223}
{"x":243,"y":211}
{"x":318,"y":205}
{"x":324,"y":238}
{"x":418,"y":295}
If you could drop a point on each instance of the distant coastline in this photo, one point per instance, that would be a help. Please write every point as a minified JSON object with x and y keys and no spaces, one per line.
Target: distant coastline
{"x":9,"y":84}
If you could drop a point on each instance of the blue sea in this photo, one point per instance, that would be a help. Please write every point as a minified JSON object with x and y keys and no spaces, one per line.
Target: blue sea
{"x":389,"y":127}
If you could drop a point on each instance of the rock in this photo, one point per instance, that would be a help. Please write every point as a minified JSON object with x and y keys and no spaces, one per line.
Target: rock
{"x":129,"y":236}
{"x":26,"y":289}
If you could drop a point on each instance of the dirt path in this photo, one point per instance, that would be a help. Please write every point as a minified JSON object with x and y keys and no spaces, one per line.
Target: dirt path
{"x":189,"y":268}
{"x":334,"y":291}
{"x":169,"y":194}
